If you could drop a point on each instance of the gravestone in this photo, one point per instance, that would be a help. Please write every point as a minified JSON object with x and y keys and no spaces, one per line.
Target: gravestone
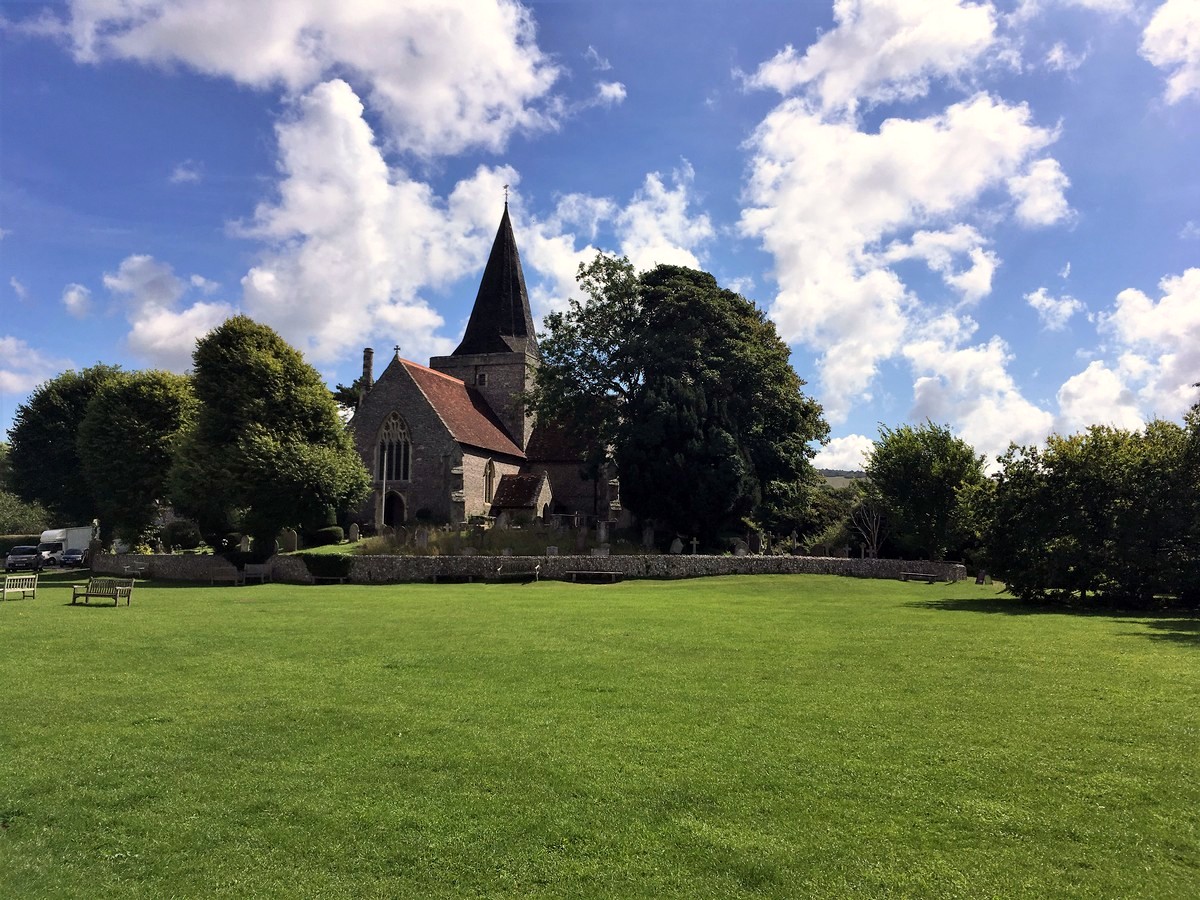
{"x":355,"y":533}
{"x":695,"y":541}
{"x":755,"y":544}
{"x":422,"y":538}
{"x":469,"y":551}
{"x":739,"y":547}
{"x":552,"y":551}
{"x":602,"y":531}
{"x":289,"y":540}
{"x":648,"y":538}
{"x":677,"y":546}
{"x":600,"y":551}
{"x":507,"y":551}
{"x":244,"y":546}
{"x":581,"y":539}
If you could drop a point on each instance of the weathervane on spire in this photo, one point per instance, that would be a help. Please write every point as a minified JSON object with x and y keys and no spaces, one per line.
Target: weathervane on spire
{"x":506,"y":195}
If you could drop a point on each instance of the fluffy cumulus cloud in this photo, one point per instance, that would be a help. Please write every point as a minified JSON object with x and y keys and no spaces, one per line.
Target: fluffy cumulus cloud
{"x":1098,"y":395}
{"x":1054,"y":312}
{"x":970,"y":386}
{"x":1039,"y":194}
{"x":883,"y":50}
{"x":824,"y":195}
{"x":443,"y":75}
{"x":22,"y":367}
{"x":657,"y":226}
{"x":1171,"y":42}
{"x":847,"y":453}
{"x":1160,"y":340}
{"x":78,"y":300}
{"x":161,"y":332}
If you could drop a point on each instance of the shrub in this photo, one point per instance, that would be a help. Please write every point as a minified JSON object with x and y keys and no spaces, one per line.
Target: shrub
{"x":327,"y":565}
{"x":182,"y":533}
{"x":322,"y":537}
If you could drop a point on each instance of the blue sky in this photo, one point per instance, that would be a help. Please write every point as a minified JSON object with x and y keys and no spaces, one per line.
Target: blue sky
{"x":984,"y":214}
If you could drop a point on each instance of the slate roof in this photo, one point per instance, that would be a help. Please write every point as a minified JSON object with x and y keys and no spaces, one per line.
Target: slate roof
{"x":517,"y":491}
{"x":500,"y":319}
{"x":463,"y":410}
{"x":550,"y":443}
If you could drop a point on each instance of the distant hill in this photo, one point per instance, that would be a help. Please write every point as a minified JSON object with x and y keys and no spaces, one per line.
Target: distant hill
{"x":840,"y":478}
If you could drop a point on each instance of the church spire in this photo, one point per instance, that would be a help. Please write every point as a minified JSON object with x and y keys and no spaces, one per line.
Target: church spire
{"x":500,"y":320}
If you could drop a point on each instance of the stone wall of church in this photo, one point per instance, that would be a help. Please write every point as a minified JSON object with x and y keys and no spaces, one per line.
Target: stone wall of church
{"x":434,"y":451}
{"x":507,"y":374}
{"x":474,"y":466}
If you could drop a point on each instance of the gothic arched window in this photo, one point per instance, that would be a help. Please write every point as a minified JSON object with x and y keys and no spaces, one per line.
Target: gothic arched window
{"x":394,"y":456}
{"x":489,"y":481}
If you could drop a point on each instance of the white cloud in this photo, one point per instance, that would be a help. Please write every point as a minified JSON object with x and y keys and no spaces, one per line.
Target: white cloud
{"x":823,"y":195}
{"x":19,"y":289}
{"x":598,"y":62}
{"x":970,"y":387}
{"x":1096,"y":396}
{"x":848,"y":453}
{"x":22,"y":367}
{"x":203,"y":284}
{"x":78,"y":300}
{"x":186,"y":172}
{"x":883,"y":50}
{"x":610,"y":93}
{"x":1171,"y":41}
{"x":1165,"y":333}
{"x":1060,"y":59}
{"x":160,"y":332}
{"x":657,"y":225}
{"x":1054,"y":312}
{"x":443,"y":75}
{"x":1039,"y":194}
{"x":1065,"y":271}
{"x":1190,"y":231}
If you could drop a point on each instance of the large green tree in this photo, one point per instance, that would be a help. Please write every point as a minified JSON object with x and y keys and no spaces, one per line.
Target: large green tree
{"x":268,"y":449}
{"x":610,"y":359}
{"x":44,"y":456}
{"x":127,"y":441}
{"x":918,"y":473}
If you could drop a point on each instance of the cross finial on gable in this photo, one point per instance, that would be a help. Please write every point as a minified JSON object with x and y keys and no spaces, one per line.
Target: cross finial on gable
{"x":397,"y":351}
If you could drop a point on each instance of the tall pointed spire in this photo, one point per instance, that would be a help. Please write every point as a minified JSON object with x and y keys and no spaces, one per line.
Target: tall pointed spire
{"x":500,"y":320}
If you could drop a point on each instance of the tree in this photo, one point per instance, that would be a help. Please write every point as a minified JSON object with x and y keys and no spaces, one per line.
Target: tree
{"x":127,"y":440}
{"x":918,"y":474}
{"x":268,"y":449}
{"x":609,"y":361}
{"x":44,"y":455}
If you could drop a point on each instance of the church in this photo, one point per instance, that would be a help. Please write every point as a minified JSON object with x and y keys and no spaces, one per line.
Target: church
{"x":452,"y":441}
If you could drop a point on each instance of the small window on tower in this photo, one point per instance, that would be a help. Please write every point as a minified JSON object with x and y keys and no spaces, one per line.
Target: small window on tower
{"x":481,"y":379}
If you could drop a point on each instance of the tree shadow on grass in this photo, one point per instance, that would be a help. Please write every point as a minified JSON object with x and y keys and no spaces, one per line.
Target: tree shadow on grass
{"x":1173,"y":625}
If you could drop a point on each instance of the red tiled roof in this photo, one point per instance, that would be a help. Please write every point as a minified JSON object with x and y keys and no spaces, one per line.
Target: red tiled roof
{"x":550,"y":443}
{"x":463,"y":410}
{"x":517,"y":491}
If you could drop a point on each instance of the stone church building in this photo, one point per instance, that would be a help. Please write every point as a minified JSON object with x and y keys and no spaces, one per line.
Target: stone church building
{"x":452,"y":440}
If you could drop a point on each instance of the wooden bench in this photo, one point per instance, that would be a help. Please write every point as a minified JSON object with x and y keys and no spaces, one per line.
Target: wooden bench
{"x":261,"y":571}
{"x":329,"y":579}
{"x":919,"y":576}
{"x":25,"y":585}
{"x":599,"y":577}
{"x":108,"y":588}
{"x":228,"y":575}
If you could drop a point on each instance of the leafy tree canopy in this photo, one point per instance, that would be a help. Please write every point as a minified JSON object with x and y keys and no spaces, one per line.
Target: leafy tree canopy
{"x":268,"y":449}
{"x":918,"y":473}
{"x":126,"y":442}
{"x":611,"y":359}
{"x":43,"y":455}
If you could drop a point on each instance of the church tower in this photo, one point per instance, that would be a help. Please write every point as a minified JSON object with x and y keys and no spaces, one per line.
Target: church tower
{"x":499,"y":354}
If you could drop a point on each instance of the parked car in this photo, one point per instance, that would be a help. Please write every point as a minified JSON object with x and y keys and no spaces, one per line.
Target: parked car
{"x":76,"y":558}
{"x":23,"y":557}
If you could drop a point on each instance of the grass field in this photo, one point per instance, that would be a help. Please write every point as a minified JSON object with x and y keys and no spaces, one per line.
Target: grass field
{"x":732,"y":737}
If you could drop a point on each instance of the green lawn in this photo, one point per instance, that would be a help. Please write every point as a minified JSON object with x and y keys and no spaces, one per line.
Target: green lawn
{"x":769,"y":736}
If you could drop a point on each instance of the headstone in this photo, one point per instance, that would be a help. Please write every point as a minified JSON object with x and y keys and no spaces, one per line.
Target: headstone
{"x":355,"y":533}
{"x":581,"y":539}
{"x":244,"y":546}
{"x":602,"y":531}
{"x":469,"y":551}
{"x":755,"y":544}
{"x":739,"y":547}
{"x":552,"y":551}
{"x":556,"y":523}
{"x":289,"y":540}
{"x":695,"y":541}
{"x":422,"y":538}
{"x":648,"y":537}
{"x":677,"y":546}
{"x":507,"y":551}
{"x":600,"y":551}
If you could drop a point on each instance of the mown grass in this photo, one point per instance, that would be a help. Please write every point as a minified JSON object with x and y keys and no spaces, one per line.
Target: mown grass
{"x":769,"y":736}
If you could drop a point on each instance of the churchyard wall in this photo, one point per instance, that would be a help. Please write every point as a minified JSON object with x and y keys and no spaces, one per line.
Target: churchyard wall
{"x":401,"y":569}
